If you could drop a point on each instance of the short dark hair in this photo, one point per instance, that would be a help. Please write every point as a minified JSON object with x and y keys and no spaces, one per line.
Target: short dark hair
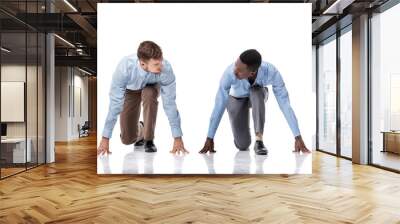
{"x":252,"y":58}
{"x":149,"y":50}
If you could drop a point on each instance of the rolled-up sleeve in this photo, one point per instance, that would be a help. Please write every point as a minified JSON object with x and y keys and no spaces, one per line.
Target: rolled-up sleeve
{"x":168,"y":95}
{"x":221,"y":100}
{"x":117,"y":94}
{"x":282,"y":97}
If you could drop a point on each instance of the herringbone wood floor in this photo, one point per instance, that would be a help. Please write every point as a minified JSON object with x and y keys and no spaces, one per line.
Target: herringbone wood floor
{"x":70,"y":191}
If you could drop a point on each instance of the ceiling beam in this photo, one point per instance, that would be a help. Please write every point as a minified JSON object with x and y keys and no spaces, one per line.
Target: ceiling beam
{"x":82,"y":61}
{"x":337,"y":6}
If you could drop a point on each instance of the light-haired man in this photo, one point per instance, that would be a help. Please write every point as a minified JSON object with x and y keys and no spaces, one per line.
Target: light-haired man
{"x":138,"y":81}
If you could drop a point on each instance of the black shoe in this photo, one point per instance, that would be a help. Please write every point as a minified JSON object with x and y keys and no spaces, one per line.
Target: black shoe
{"x":259,"y":148}
{"x":149,"y":146}
{"x":141,"y":141}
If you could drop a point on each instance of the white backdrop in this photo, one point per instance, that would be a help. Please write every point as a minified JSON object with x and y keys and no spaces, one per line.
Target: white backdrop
{"x":200,"y":41}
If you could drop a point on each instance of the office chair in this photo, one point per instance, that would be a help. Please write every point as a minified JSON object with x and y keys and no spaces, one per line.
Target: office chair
{"x":84,"y":130}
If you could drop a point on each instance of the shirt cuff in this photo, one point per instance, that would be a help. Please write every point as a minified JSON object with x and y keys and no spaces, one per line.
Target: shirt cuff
{"x":296,"y":132}
{"x":107,"y":133}
{"x":176,"y":132}
{"x":211,"y":134}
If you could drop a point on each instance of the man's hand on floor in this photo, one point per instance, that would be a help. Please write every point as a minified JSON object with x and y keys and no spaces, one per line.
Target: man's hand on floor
{"x":178,"y":147}
{"x":299,"y":145}
{"x":104,"y":147}
{"x":208,"y":146}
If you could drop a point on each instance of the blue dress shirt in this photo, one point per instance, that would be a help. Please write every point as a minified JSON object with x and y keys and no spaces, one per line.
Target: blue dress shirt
{"x":229,"y":85}
{"x":129,"y":75}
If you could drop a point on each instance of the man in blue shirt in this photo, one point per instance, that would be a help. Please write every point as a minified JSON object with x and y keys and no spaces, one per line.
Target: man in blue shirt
{"x":139,"y":79}
{"x":244,"y":86}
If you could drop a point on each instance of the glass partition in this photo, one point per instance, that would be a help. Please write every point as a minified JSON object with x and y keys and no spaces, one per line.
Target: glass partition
{"x":22,"y":78}
{"x":14,"y":153}
{"x":385,"y":89}
{"x":327,"y":96}
{"x":346,"y":94}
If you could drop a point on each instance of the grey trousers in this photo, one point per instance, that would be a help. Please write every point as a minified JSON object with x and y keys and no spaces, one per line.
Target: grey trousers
{"x":238,"y":111}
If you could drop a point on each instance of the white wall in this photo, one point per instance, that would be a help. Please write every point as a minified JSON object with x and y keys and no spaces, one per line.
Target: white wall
{"x":68,"y":83}
{"x":61,"y":103}
{"x":12,"y":94}
{"x":314,"y":86}
{"x":16,"y":73}
{"x":80,"y":83}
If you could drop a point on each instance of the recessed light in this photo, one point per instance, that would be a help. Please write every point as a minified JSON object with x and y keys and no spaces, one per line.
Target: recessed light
{"x":64,"y":40}
{"x":5,"y":50}
{"x":86,"y":72}
{"x":70,"y":5}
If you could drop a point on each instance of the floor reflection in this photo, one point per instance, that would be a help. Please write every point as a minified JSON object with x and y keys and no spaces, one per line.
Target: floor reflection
{"x":241,"y":162}
{"x":178,"y":163}
{"x":299,"y":157}
{"x":136,"y":161}
{"x":209,"y":159}
{"x":259,"y":160}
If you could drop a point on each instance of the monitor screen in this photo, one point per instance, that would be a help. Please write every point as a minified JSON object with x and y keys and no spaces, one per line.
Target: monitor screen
{"x":3,"y":129}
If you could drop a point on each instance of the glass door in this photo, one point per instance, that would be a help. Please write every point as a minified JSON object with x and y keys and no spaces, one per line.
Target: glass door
{"x":327,"y":96}
{"x":346,"y":93}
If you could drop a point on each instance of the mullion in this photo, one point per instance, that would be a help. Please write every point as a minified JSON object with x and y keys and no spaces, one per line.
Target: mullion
{"x":338,"y":98}
{"x":26,"y":86}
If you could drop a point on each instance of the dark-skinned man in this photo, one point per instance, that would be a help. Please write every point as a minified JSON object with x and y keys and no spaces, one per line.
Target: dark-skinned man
{"x":244,"y":86}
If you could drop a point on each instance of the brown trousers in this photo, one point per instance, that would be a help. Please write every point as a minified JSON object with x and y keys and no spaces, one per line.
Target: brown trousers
{"x":129,"y":117}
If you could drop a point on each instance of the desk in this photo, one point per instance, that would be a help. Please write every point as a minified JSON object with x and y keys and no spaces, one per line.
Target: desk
{"x":13,"y":150}
{"x":391,"y":141}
